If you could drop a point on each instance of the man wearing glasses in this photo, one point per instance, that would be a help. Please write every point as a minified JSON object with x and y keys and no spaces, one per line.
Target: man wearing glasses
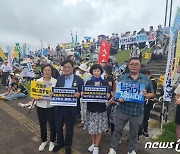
{"x":67,"y":114}
{"x":131,"y":110}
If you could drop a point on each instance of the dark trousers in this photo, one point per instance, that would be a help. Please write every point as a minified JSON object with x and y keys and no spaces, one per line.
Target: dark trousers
{"x":4,"y":78}
{"x":155,"y":56}
{"x":47,"y":115}
{"x":147,"y":109}
{"x":142,"y":45}
{"x":64,"y":117}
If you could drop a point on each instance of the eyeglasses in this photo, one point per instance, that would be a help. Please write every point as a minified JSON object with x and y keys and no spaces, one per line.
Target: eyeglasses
{"x":67,"y":67}
{"x":134,"y":64}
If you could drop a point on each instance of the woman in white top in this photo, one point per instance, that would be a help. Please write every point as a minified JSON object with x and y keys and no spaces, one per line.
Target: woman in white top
{"x":45,"y":111}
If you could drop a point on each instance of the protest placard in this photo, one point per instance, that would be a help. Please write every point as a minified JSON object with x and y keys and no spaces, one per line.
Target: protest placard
{"x":131,"y":92}
{"x":63,"y":96}
{"x":95,"y":94}
{"x":40,"y":89}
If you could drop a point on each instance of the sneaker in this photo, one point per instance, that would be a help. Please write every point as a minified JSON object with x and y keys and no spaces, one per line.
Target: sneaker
{"x":112,"y":151}
{"x":91,"y":148}
{"x":51,"y":146}
{"x":96,"y":150}
{"x":132,"y":152}
{"x":22,"y":105}
{"x":42,"y":146}
{"x":146,"y":135}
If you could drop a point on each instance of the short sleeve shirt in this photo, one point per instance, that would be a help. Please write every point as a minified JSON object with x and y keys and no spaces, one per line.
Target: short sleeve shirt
{"x":134,"y":108}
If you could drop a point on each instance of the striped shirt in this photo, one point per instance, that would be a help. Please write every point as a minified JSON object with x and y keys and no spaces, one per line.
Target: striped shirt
{"x":134,"y":108}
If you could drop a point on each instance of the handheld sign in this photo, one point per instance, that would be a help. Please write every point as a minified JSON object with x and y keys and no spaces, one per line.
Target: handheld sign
{"x":95,"y":94}
{"x":131,"y":92}
{"x":40,"y":89}
{"x":63,"y":96}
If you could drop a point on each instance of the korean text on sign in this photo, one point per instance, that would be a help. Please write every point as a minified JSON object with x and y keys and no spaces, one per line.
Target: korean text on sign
{"x":131,"y":92}
{"x":63,"y":97}
{"x":95,"y":94}
{"x":40,"y":89}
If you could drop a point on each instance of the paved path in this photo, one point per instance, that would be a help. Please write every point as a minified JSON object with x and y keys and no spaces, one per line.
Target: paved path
{"x":19,"y":134}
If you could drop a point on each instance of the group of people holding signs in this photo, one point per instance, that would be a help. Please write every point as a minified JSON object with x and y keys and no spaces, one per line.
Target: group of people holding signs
{"x":58,"y":103}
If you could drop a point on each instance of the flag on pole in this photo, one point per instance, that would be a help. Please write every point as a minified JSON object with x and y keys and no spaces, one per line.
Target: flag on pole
{"x":104,"y":52}
{"x":15,"y":53}
{"x":10,"y":56}
{"x":76,"y":39}
{"x":41,"y":44}
{"x":72,"y":38}
{"x":169,"y":67}
{"x":2,"y":55}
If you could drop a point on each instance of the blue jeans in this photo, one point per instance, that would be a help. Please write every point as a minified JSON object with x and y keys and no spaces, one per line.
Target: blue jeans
{"x":19,"y":95}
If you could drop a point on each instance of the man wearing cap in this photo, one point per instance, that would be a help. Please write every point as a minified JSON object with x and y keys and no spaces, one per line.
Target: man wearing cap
{"x":5,"y":70}
{"x":158,"y":52}
{"x":85,"y":76}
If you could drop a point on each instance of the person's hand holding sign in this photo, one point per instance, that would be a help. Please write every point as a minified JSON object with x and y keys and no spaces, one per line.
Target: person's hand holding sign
{"x":38,"y":98}
{"x":120,"y":100}
{"x":108,"y":95}
{"x":144,"y":92}
{"x":77,"y":95}
{"x":51,"y":94}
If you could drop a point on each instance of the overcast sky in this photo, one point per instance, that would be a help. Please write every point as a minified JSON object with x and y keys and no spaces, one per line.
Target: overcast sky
{"x":29,"y":21}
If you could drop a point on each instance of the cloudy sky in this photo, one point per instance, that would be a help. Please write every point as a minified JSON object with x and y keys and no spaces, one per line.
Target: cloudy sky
{"x":29,"y":21}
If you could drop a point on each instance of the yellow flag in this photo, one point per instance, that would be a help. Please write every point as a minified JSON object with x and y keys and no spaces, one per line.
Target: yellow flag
{"x":2,"y":55}
{"x":15,"y":54}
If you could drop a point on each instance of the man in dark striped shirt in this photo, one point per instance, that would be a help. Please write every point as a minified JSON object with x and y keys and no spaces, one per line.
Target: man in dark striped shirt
{"x":131,"y":110}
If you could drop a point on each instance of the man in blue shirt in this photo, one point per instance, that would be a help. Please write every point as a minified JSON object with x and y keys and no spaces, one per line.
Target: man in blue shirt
{"x":131,"y":111}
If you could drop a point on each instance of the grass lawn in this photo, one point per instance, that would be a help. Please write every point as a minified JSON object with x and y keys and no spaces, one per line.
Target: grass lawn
{"x":27,"y":86}
{"x":123,"y":55}
{"x":169,"y":134}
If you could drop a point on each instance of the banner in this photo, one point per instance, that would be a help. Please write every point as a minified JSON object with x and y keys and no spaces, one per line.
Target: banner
{"x":151,"y":36}
{"x":104,"y":52}
{"x":95,"y":94}
{"x":168,"y":76}
{"x":10,"y":56}
{"x":16,"y":53}
{"x":131,"y":92}
{"x":177,"y":57}
{"x":63,"y":97}
{"x":176,"y":24}
{"x":137,"y":39}
{"x":24,"y":50}
{"x":66,"y":45}
{"x":40,"y":89}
